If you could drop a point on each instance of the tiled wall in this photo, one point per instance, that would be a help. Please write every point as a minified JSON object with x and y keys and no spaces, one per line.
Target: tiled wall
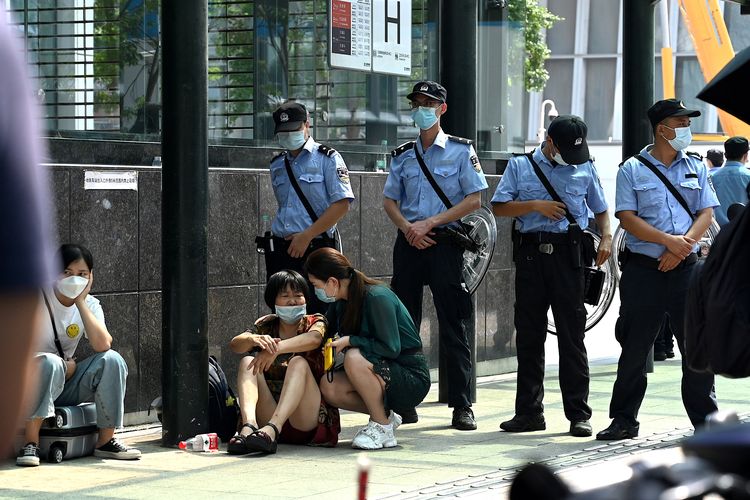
{"x":123,"y":229}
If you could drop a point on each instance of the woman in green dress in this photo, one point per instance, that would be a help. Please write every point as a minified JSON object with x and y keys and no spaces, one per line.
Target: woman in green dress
{"x":383,"y":363}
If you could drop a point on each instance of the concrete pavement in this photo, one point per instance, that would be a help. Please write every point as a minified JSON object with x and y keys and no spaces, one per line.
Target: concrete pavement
{"x":432,"y":459}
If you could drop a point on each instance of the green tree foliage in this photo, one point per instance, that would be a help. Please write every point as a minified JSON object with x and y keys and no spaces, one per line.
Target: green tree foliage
{"x":534,"y":19}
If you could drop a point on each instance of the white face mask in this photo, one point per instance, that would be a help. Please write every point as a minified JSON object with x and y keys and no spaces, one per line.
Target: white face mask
{"x":291,"y":141}
{"x":559,"y":159}
{"x":682,"y":139}
{"x":72,"y":286}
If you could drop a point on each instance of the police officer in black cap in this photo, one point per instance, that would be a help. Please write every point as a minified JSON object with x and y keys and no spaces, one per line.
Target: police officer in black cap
{"x":312,"y":188}
{"x":425,"y":252}
{"x":550,"y":253}
{"x":661,"y":249}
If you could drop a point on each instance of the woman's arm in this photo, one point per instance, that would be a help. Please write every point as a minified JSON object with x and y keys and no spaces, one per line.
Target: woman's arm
{"x":303,"y":342}
{"x":93,"y":323}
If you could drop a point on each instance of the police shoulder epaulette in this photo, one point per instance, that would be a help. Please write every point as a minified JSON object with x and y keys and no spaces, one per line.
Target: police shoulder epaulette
{"x":520,"y":154}
{"x":277,"y":155}
{"x":328,"y":151}
{"x":404,"y":147}
{"x":462,"y":140}
{"x":695,"y":155}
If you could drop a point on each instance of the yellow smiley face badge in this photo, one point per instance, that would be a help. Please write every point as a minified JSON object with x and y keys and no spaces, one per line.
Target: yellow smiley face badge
{"x":73,"y":331}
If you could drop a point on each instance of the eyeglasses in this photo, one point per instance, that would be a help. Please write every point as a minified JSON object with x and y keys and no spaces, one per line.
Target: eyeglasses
{"x":427,"y":104}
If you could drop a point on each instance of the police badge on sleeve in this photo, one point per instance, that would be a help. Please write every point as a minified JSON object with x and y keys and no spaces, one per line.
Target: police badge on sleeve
{"x":342,"y":172}
{"x":475,"y":163}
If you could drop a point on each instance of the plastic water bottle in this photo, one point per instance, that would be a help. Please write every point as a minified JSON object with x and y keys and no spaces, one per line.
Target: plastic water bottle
{"x":202,"y":442}
{"x":381,"y":163}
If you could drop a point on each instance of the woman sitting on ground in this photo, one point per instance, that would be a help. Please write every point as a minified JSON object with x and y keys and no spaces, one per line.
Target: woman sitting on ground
{"x":278,"y":388}
{"x":70,"y":314}
{"x":383,"y":362}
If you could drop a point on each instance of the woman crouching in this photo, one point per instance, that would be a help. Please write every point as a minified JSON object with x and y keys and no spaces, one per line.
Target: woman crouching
{"x":383,"y":364}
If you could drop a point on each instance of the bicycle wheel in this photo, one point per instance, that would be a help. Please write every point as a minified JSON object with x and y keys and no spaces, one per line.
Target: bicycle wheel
{"x":594,"y":314}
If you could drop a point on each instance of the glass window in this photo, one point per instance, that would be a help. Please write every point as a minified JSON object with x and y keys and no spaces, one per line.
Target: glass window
{"x":738,"y":26}
{"x":500,"y":86}
{"x":97,"y":64}
{"x":600,"y":97}
{"x":604,"y":23}
{"x":560,"y":84}
{"x":561,"y":38}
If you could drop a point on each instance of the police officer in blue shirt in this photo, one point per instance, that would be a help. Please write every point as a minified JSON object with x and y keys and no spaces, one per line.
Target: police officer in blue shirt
{"x":550,"y":254}
{"x":661,"y":249}
{"x":323,"y":179}
{"x":425,"y":252}
{"x":731,"y":181}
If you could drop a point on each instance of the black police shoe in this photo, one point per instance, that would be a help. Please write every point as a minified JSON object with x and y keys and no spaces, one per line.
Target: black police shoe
{"x":463,"y":419}
{"x":524,"y":423}
{"x":580,"y":428}
{"x":408,"y":415}
{"x":618,"y":430}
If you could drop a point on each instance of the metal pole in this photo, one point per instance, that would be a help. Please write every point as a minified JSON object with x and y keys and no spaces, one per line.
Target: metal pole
{"x":459,"y":76}
{"x":184,"y":219}
{"x":637,"y":74}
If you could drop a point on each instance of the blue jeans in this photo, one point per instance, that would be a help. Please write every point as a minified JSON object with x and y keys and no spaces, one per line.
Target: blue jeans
{"x":99,"y":378}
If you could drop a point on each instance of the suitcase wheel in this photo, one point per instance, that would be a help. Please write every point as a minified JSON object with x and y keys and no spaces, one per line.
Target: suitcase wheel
{"x":55,"y":454}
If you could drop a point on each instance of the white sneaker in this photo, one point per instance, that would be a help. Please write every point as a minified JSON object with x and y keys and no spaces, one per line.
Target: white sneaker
{"x":374,"y":436}
{"x":395,"y":420}
{"x":115,"y":449}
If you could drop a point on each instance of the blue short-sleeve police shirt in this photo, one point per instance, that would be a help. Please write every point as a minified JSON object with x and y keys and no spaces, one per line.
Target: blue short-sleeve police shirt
{"x":454,"y":166}
{"x":641,"y":191}
{"x":578,"y":186}
{"x":323,"y":179}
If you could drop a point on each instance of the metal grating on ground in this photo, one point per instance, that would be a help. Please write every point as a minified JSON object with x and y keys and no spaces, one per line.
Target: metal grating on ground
{"x":502,"y":478}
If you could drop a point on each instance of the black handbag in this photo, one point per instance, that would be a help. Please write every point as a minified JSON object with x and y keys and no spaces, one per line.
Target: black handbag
{"x":593,"y":277}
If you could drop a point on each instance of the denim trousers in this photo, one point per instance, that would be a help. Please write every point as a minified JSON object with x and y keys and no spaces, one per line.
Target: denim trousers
{"x":99,"y":378}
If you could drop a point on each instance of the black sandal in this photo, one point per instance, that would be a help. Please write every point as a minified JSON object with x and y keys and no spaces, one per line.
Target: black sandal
{"x":262,"y":442}
{"x":238,"y":444}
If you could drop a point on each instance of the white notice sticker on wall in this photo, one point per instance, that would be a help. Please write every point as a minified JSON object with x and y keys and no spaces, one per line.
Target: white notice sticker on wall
{"x":110,"y":179}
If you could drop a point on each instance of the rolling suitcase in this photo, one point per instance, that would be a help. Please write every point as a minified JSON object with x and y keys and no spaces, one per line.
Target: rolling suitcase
{"x":71,"y":433}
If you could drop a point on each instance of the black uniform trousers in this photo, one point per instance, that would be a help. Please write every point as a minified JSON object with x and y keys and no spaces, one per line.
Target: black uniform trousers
{"x":439,"y":267}
{"x":544,"y":281}
{"x":279,"y":260}
{"x":645,"y":295}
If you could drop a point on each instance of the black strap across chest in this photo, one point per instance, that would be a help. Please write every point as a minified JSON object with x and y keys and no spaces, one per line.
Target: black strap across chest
{"x":548,"y":186}
{"x":432,"y":180}
{"x":298,"y":190}
{"x":668,"y":184}
{"x":58,"y":345}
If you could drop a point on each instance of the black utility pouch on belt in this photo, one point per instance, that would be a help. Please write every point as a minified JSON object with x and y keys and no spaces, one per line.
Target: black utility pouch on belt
{"x":593,"y":277}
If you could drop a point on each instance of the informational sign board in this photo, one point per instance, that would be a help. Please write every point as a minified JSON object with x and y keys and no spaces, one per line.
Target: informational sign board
{"x":351,"y":43}
{"x":391,"y":37}
{"x":110,"y":179}
{"x":371,"y":35}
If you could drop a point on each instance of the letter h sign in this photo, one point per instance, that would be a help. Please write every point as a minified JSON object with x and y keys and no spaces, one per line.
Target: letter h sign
{"x":395,"y":20}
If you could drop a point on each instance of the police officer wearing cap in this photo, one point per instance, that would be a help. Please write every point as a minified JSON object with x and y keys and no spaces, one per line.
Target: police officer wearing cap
{"x":731,"y":181}
{"x":549,"y":256}
{"x":661,"y":249}
{"x":424,"y":252}
{"x":323,"y":179}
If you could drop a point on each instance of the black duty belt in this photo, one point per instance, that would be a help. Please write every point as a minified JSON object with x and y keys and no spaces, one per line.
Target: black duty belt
{"x":652,"y":263}
{"x":543,"y":241}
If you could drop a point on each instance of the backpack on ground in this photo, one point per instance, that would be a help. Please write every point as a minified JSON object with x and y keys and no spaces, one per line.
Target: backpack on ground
{"x":717,"y":312}
{"x":223,"y":411}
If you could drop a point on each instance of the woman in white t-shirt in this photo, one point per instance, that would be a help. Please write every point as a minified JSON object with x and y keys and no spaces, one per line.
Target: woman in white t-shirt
{"x":71,"y":313}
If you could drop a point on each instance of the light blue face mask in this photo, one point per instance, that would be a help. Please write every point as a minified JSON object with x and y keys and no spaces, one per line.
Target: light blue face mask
{"x":682,"y":139}
{"x":320,"y":293}
{"x":291,"y":141}
{"x":291,"y":314}
{"x":424,"y":117}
